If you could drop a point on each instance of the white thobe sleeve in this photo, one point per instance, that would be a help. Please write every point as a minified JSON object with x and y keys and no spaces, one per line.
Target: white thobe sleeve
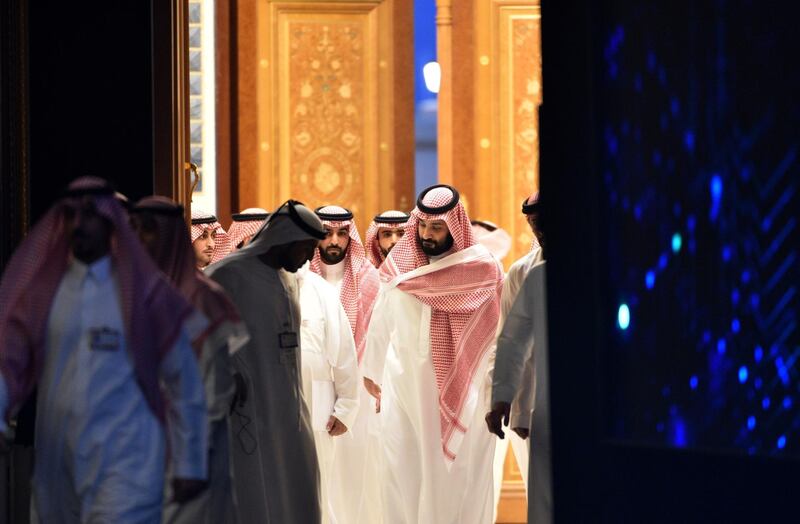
{"x":378,"y":339}
{"x":346,"y":377}
{"x":187,"y":426}
{"x":514,"y":349}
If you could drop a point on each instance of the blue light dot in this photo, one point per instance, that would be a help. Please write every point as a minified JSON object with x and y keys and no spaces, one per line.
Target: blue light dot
{"x":691,"y":222}
{"x":706,"y":336}
{"x":735,"y":296}
{"x":693,"y":382}
{"x":742,"y":374}
{"x":765,"y":403}
{"x":758,"y":383}
{"x":787,"y":402}
{"x":782,"y":442}
{"x":745,"y":276}
{"x":758,"y":354}
{"x":624,"y":316}
{"x":688,"y":140}
{"x":716,"y":187}
{"x":677,"y":242}
{"x":726,"y":253}
{"x":751,"y":422}
{"x":650,"y":279}
{"x":721,"y":346}
{"x":736,"y":325}
{"x":754,"y":301}
{"x":674,"y":106}
{"x":662,"y":261}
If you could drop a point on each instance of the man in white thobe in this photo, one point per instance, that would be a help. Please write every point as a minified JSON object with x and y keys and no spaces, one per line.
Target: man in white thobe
{"x":522,"y":347}
{"x":90,"y":319}
{"x":354,"y":489}
{"x":428,"y":345}
{"x":331,"y":380}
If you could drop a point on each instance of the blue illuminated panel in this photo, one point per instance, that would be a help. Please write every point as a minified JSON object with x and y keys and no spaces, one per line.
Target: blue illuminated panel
{"x":700,"y":130}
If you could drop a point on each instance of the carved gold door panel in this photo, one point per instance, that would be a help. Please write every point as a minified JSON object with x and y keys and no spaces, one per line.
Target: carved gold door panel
{"x":325,"y":107}
{"x":508,"y":85}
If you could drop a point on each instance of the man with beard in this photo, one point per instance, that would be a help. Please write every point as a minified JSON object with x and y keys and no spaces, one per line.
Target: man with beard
{"x":383,"y":234}
{"x":210,"y":242}
{"x":245,"y":225}
{"x":428,"y":347}
{"x":88,"y":317}
{"x":161,"y":227}
{"x":341,"y":260}
{"x":275,"y":471}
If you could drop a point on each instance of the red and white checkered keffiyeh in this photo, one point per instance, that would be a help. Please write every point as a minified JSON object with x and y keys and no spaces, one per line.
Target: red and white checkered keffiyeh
{"x":386,"y":220}
{"x":222,"y":242}
{"x":465,"y":303}
{"x":175,"y":257}
{"x":360,"y":282}
{"x":243,"y":226}
{"x":153,"y":311}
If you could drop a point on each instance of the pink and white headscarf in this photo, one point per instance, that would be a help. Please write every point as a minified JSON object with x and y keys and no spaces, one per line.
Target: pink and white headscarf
{"x":153,"y":311}
{"x":246,"y":224}
{"x":493,"y":237}
{"x":465,"y":303}
{"x":386,"y":220}
{"x":360,"y":282}
{"x":201,"y":221}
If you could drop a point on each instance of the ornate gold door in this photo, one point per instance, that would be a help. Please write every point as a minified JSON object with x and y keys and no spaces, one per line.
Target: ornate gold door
{"x":325,"y":108}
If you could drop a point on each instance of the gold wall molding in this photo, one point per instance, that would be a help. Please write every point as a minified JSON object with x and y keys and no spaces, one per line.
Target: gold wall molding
{"x":508,"y":93}
{"x":444,"y":56}
{"x":324,"y":112}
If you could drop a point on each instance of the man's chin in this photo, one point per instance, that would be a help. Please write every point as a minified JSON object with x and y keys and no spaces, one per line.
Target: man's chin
{"x":331,"y":260}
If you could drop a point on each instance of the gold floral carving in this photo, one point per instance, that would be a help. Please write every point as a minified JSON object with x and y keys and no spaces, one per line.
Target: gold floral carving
{"x":326,"y":97}
{"x":526,"y":98}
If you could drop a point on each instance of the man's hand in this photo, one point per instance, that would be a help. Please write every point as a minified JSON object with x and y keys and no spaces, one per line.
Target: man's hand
{"x":184,"y":490}
{"x":335,"y":427}
{"x":374,"y":390}
{"x":498,"y":417}
{"x":522,"y":432}
{"x":240,"y":393}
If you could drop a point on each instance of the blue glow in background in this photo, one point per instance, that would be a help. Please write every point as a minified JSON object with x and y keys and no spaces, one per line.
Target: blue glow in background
{"x":700,"y":128}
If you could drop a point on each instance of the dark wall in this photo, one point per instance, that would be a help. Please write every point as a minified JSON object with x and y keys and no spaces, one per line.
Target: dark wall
{"x":664,"y":118}
{"x":90,"y":96}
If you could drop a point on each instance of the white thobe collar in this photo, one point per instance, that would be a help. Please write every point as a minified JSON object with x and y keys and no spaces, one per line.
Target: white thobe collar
{"x":333,"y":273}
{"x":99,"y":270}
